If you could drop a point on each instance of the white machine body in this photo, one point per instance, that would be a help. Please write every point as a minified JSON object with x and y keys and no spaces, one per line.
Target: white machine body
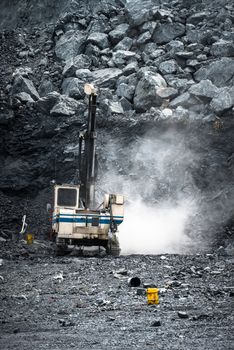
{"x":74,"y":224}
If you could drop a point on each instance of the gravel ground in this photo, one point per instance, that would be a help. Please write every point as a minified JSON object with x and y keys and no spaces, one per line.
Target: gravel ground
{"x":85,"y":303}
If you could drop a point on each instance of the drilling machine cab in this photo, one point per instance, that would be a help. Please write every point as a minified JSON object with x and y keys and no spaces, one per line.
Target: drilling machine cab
{"x":76,"y":219}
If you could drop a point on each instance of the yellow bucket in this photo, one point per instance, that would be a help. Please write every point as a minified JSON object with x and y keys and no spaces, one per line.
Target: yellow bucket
{"x":152,"y":296}
{"x":29,"y":238}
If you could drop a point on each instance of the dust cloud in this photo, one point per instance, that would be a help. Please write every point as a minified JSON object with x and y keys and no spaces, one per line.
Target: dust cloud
{"x":154,"y":174}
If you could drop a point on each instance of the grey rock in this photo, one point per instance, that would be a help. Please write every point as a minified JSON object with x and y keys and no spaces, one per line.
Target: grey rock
{"x":115,"y":107}
{"x":197,"y":17}
{"x":23,"y":54}
{"x":126,"y":105}
{"x":167,"y":32}
{"x":120,"y":57}
{"x":24,"y":97}
{"x":45,"y":87}
{"x":203,"y":89}
{"x":23,"y":71}
{"x":65,"y":106}
{"x":144,"y":38}
{"x":168,"y":67}
{"x":46,"y":103}
{"x":73,"y":87}
{"x":146,"y":91}
{"x":193,"y":63}
{"x":99,"y":39}
{"x":167,"y":93}
{"x":161,"y":13}
{"x":174,"y":46}
{"x":106,"y":77}
{"x":79,"y":62}
{"x":125,"y":90}
{"x":141,"y":291}
{"x":184,"y":100}
{"x":84,"y":75}
{"x":222,"y":48}
{"x":22,"y":84}
{"x":70,"y":45}
{"x":184,"y":54}
{"x":130,"y":68}
{"x":223,"y":100}
{"x":202,"y":36}
{"x":220,"y":72}
{"x":44,"y":62}
{"x":118,"y":33}
{"x":124,"y":44}
{"x":148,"y":27}
{"x":139,"y":11}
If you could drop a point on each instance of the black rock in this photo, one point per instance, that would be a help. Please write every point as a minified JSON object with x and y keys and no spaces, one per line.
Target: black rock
{"x":156,"y":323}
{"x":182,"y":314}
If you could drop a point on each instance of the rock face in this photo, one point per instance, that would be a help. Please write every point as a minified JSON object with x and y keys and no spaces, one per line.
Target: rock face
{"x":159,"y":66}
{"x":146,"y":91}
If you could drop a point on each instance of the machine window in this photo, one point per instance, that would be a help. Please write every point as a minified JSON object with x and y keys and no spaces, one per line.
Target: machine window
{"x":67,"y":197}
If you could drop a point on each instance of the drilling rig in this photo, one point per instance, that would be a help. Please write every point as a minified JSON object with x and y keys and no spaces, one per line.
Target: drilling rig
{"x":77,"y":220}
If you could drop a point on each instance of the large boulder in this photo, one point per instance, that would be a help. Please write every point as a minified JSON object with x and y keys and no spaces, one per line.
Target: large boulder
{"x":125,"y":44}
{"x":84,"y":75}
{"x":168,"y":67}
{"x":185,"y":100}
{"x":126,"y":90}
{"x":73,"y":87}
{"x":204,"y":89}
{"x":46,"y":85}
{"x":146,"y":91}
{"x":79,"y":62}
{"x":22,"y":84}
{"x":223,"y":100}
{"x":223,"y":48}
{"x":220,"y":72}
{"x":167,"y":93}
{"x":120,"y":57}
{"x":140,"y":11}
{"x":66,"y":107}
{"x":118,"y":33}
{"x":70,"y":45}
{"x":167,"y":32}
{"x":106,"y":78}
{"x":24,"y":97}
{"x":46,"y":103}
{"x":99,"y":39}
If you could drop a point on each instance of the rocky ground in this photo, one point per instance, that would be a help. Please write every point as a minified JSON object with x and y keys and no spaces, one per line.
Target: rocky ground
{"x":86,"y":303}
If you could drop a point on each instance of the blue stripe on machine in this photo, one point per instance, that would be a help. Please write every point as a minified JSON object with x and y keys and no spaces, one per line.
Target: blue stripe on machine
{"x":88,"y":215}
{"x":89,"y":221}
